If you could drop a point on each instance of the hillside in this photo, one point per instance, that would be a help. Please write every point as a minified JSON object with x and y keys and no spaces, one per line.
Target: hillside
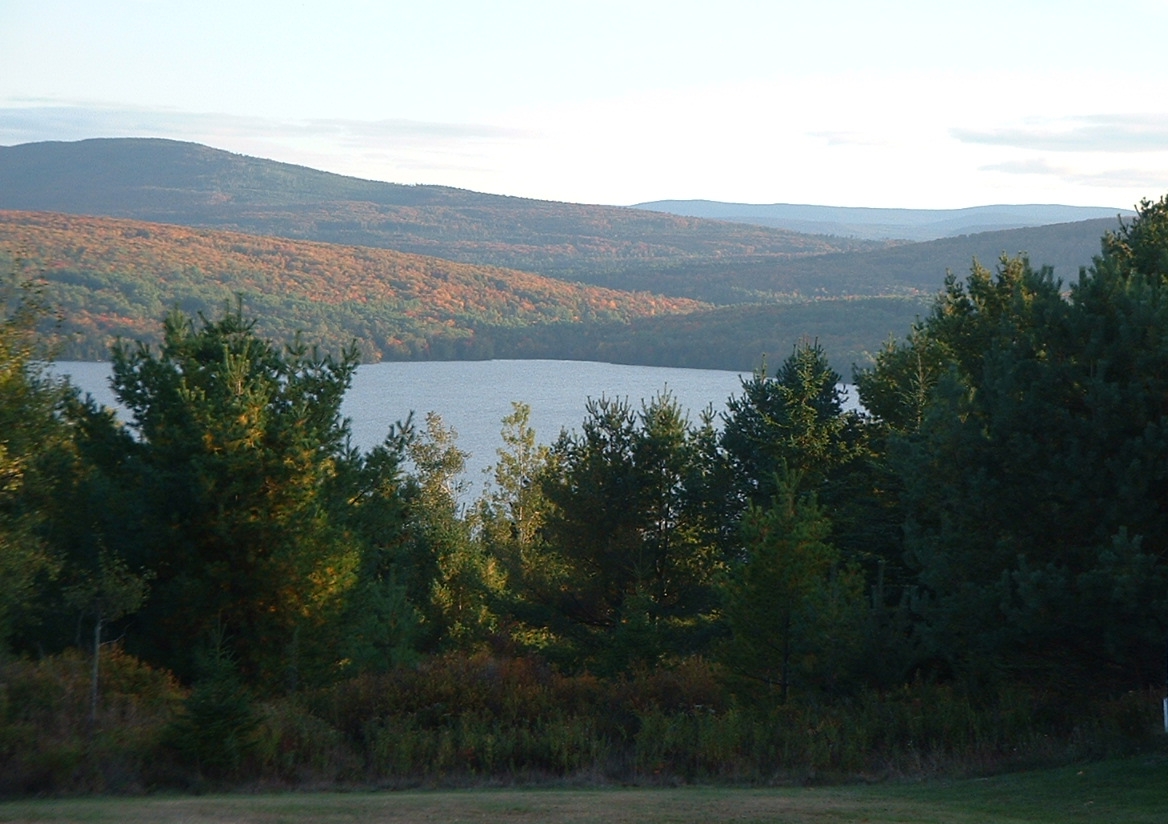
{"x":189,"y":184}
{"x":114,"y":277}
{"x":885,"y":224}
{"x":339,"y":259}
{"x":906,"y":270}
{"x":740,"y":338}
{"x":618,"y":248}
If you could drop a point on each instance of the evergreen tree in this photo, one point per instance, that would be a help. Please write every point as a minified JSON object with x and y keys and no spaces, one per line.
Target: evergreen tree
{"x":381,"y":625}
{"x":237,"y":455}
{"x":793,"y":425}
{"x":793,"y":610}
{"x":510,"y":520}
{"x":513,"y":512}
{"x":794,"y":418}
{"x":632,"y":553}
{"x":1034,"y":482}
{"x":455,"y":571}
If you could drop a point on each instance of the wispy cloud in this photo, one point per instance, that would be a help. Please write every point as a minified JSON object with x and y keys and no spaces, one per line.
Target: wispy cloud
{"x":842,"y":138}
{"x":458,"y":154}
{"x":363,"y":130}
{"x":1129,"y":178}
{"x":1086,"y":133}
{"x":29,"y":123}
{"x":1024,"y":167}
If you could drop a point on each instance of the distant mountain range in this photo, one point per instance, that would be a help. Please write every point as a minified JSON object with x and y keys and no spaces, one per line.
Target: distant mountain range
{"x":193,"y":185}
{"x":884,"y":224}
{"x":459,"y":277}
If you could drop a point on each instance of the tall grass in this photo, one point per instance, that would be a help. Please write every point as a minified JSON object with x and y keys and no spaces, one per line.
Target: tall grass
{"x":481,"y":719}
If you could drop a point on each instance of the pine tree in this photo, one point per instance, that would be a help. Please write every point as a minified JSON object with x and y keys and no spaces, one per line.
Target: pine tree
{"x":793,"y":610}
{"x":237,"y":459}
{"x":1033,"y":477}
{"x":628,"y":535}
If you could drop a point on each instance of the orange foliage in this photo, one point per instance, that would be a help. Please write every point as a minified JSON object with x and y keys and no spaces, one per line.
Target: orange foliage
{"x":155,"y":265}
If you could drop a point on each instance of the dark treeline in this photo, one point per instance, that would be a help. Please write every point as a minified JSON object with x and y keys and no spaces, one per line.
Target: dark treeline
{"x":738,"y":338}
{"x":970,"y":575}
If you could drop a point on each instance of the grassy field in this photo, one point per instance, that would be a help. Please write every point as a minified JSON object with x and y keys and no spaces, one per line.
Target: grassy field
{"x":1133,"y":791}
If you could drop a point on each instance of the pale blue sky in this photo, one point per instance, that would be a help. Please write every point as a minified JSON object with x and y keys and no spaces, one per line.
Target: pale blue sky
{"x":840,"y":103}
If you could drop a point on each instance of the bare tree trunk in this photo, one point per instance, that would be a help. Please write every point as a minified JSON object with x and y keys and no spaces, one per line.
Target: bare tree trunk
{"x":93,"y":682}
{"x":786,"y":656}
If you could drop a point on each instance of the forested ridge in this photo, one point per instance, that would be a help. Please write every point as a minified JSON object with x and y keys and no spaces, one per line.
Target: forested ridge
{"x":114,"y":278}
{"x":768,"y":288}
{"x":968,"y":576}
{"x":716,"y":261}
{"x":902,"y":224}
{"x":741,"y":337}
{"x":168,"y":181}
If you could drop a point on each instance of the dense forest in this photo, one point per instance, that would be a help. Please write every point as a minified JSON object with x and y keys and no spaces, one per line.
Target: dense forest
{"x":167,"y":181}
{"x":742,"y":337}
{"x":426,"y":272}
{"x":115,"y":278}
{"x":111,"y":278}
{"x":969,"y":576}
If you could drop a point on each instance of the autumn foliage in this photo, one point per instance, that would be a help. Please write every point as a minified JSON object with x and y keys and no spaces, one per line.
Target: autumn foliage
{"x":115,"y":278}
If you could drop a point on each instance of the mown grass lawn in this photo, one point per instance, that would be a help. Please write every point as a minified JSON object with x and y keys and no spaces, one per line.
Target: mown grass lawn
{"x":1132,"y":791}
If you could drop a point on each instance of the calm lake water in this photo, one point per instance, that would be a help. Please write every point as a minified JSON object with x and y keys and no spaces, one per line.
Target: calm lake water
{"x":473,"y":397}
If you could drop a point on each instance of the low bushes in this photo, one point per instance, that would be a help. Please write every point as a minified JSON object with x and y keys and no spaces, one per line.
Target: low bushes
{"x":48,"y":743}
{"x":457,"y":719}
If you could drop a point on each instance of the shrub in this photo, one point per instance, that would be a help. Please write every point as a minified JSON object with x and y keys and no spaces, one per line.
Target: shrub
{"x":47,"y":744}
{"x":293,"y":745}
{"x":215,"y":729}
{"x":454,"y":719}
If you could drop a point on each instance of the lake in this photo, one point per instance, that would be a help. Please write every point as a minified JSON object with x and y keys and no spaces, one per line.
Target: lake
{"x":473,"y":397}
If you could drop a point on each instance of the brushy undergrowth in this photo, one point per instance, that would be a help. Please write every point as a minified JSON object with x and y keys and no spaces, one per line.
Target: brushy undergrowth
{"x":455,"y":720}
{"x":48,"y":743}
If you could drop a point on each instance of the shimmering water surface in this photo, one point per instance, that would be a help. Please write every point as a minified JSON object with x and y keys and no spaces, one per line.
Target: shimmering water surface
{"x":473,"y":397}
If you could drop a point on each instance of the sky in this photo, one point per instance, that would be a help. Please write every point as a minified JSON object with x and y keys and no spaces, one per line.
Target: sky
{"x":834,"y":102}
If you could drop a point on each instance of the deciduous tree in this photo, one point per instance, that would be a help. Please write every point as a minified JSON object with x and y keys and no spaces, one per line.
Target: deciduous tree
{"x":32,"y":440}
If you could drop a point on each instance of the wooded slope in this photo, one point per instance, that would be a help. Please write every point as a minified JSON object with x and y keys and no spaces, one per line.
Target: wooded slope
{"x":115,"y":277}
{"x":910,"y":269}
{"x":190,"y":184}
{"x":905,"y":224}
{"x":618,"y":248}
{"x":776,"y":286}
